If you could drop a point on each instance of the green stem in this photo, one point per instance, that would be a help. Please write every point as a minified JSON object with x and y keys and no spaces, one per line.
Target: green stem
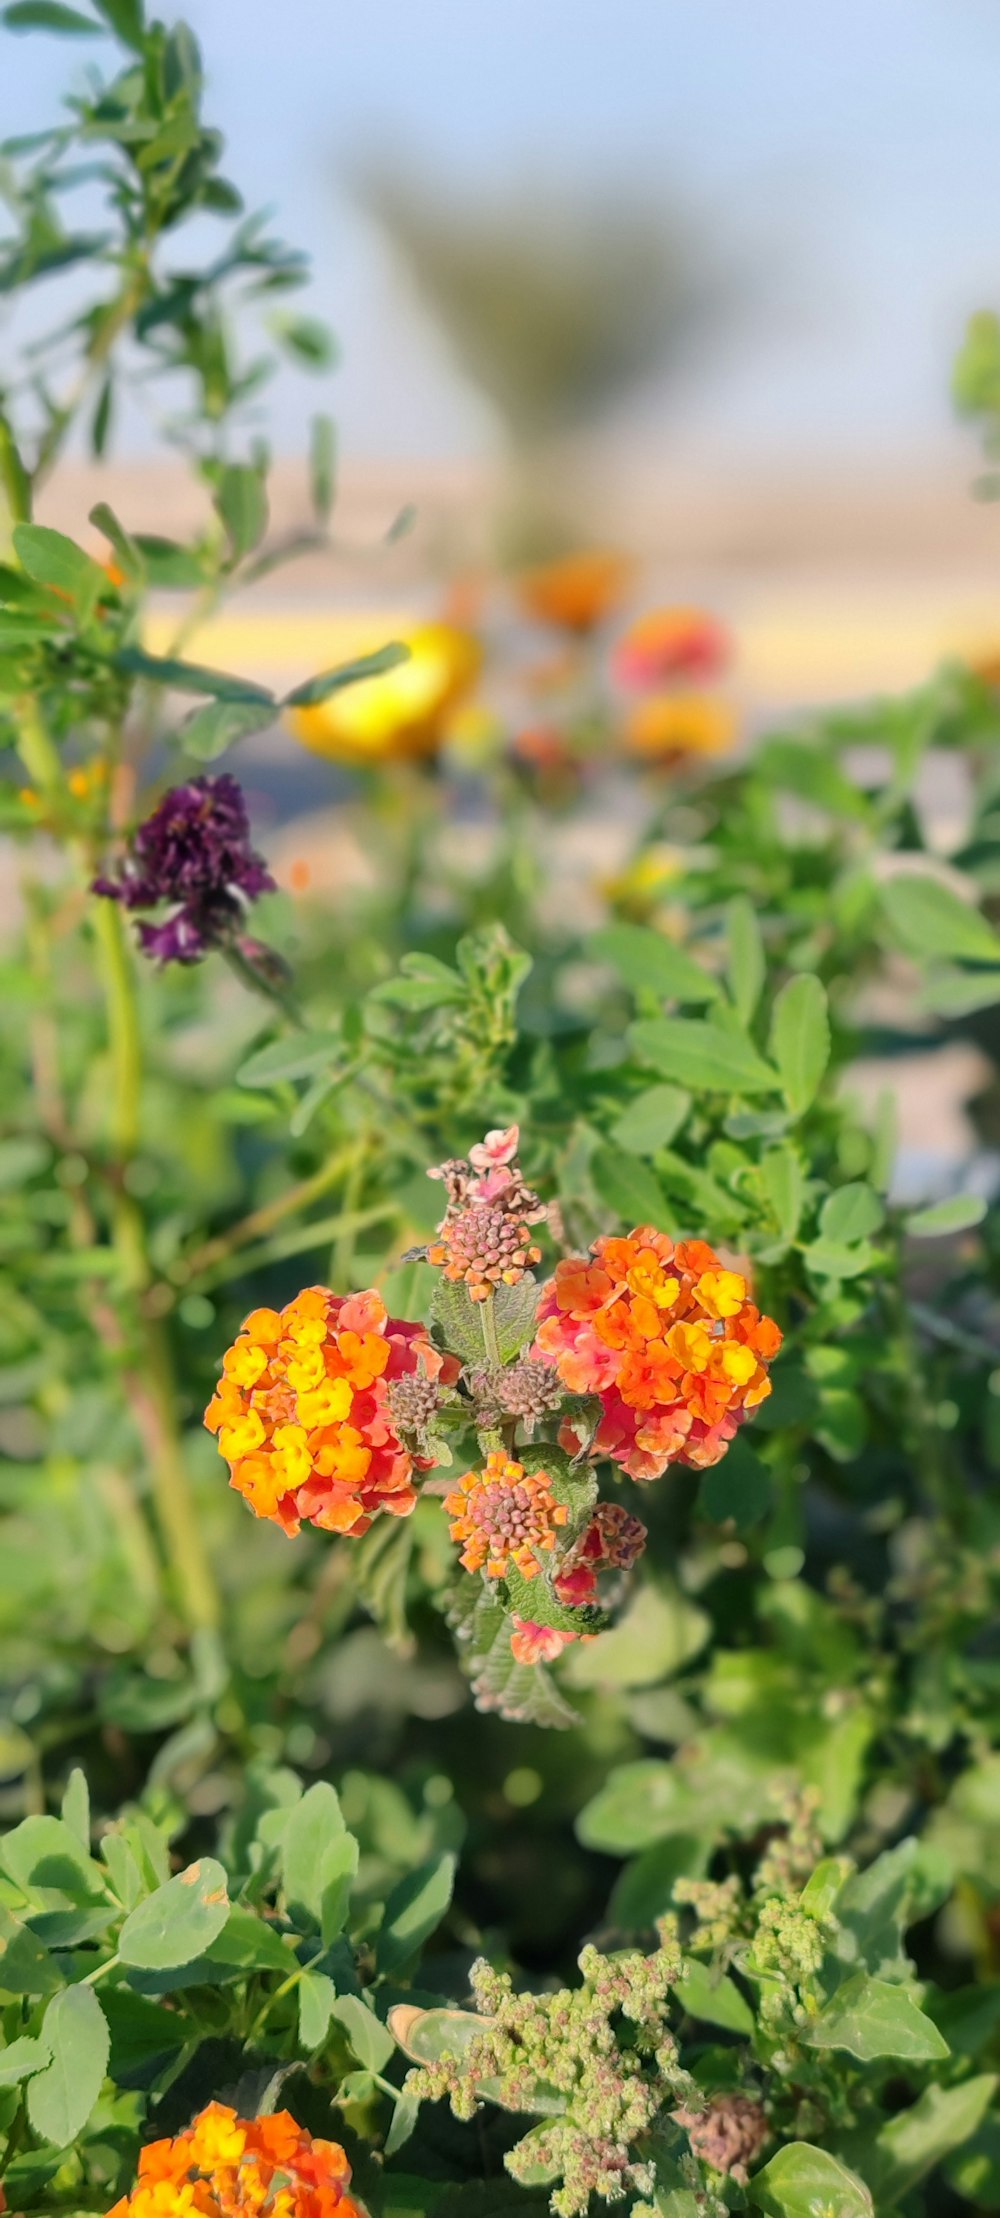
{"x":38,"y":752}
{"x":123,"y":1024}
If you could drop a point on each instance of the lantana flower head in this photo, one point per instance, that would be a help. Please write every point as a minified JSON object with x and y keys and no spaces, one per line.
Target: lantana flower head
{"x":668,"y":643}
{"x":223,"y":2166}
{"x":612,"y":1540}
{"x":533,"y":1644}
{"x":576,"y":592}
{"x":668,"y":1339}
{"x":664,"y":727}
{"x":192,"y":854}
{"x":484,"y":1237}
{"x":505,"y":1514}
{"x":304,"y":1410}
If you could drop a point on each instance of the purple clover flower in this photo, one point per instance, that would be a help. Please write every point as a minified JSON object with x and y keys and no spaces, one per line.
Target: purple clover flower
{"x":193,"y":852}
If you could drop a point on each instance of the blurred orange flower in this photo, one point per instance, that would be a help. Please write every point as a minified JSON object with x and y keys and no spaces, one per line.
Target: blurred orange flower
{"x":303,"y":1411}
{"x":670,"y":643}
{"x":224,"y":2166}
{"x":401,"y":713}
{"x":576,"y":592}
{"x":667,"y":725}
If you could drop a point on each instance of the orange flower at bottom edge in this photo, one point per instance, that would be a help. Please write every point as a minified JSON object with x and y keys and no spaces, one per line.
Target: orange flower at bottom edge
{"x":503,"y":1515}
{"x":223,"y":2166}
{"x":665,"y":725}
{"x":304,"y":1410}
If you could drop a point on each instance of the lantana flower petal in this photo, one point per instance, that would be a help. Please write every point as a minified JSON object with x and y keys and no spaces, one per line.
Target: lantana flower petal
{"x":224,"y":2166}
{"x":667,"y":1337}
{"x":304,"y":1411}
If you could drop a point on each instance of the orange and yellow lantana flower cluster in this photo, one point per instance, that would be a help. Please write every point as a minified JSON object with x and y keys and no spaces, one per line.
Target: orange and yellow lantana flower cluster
{"x":669,"y":1341}
{"x":303,"y":1411}
{"x":224,"y":2166}
{"x":505,"y":1515}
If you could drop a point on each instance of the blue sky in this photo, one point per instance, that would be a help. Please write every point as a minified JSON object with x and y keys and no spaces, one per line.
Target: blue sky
{"x":845,"y":156}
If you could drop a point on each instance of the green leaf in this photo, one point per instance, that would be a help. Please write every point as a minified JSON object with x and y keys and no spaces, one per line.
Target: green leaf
{"x":126,"y":19}
{"x":406,"y":2111}
{"x":658,"y":1634}
{"x":371,"y":2044}
{"x":342,"y":674}
{"x":250,"y":1941}
{"x":975,"y":2172}
{"x":317,"y":1995}
{"x":639,"y":1803}
{"x":850,"y":1214}
{"x":628,"y":1187}
{"x":339,"y":1872}
{"x":42,"y":1854}
{"x":76,"y":1808}
{"x":701,"y":1055}
{"x":872,"y":2017}
{"x":26,"y":1968}
{"x":800,"y":1039}
{"x":459,"y":1320}
{"x":62,"y":2096}
{"x":211,"y":729}
{"x":49,"y":15}
{"x":805,"y":2182}
{"x":300,"y":1055}
{"x":828,"y":1261}
{"x":322,"y":467}
{"x":189,"y":677}
{"x":652,"y":1120}
{"x":930,"y":918}
{"x":648,"y":962}
{"x":783,"y":1180}
{"x":958,"y":1214}
{"x":179,"y":1921}
{"x":644,"y":1888}
{"x":20,"y":2058}
{"x":713,"y":2001}
{"x":240,"y":499}
{"x":916,"y":2139}
{"x":311,"y":342}
{"x":413,"y":1911}
{"x":126,"y":552}
{"x":57,"y":562}
{"x":514,"y":1313}
{"x":737,"y":1488}
{"x":746,"y":967}
{"x":312,"y":1852}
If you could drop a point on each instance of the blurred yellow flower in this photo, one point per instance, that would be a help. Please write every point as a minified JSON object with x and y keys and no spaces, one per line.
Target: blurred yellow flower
{"x":577,"y":591}
{"x":668,"y":724}
{"x":402,"y":713}
{"x":639,"y":888}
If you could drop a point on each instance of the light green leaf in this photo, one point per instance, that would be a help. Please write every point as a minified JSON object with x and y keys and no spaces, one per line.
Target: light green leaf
{"x":53,"y":560}
{"x":339,"y":1872}
{"x":649,"y":962}
{"x":800,"y":1039}
{"x":628,"y":1187}
{"x":916,"y":2139}
{"x":783,"y":1181}
{"x":190,"y":677}
{"x":317,"y":1995}
{"x":413,"y":1911}
{"x":76,"y":1808}
{"x":179,"y":1921}
{"x":658,"y":1634}
{"x":713,"y":2001}
{"x":873,"y":2017}
{"x":49,"y":15}
{"x":315,"y":1828}
{"x":26,"y":1968}
{"x":218,"y":724}
{"x":300,"y":1055}
{"x":802,"y":2181}
{"x":342,"y":674}
{"x":930,"y":918}
{"x":652,"y":1120}
{"x":20,"y":2058}
{"x":746,"y":967}
{"x":850,"y":1214}
{"x":240,"y":499}
{"x":958,"y":1214}
{"x":702,"y":1056}
{"x":371,"y":2044}
{"x":62,"y":2095}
